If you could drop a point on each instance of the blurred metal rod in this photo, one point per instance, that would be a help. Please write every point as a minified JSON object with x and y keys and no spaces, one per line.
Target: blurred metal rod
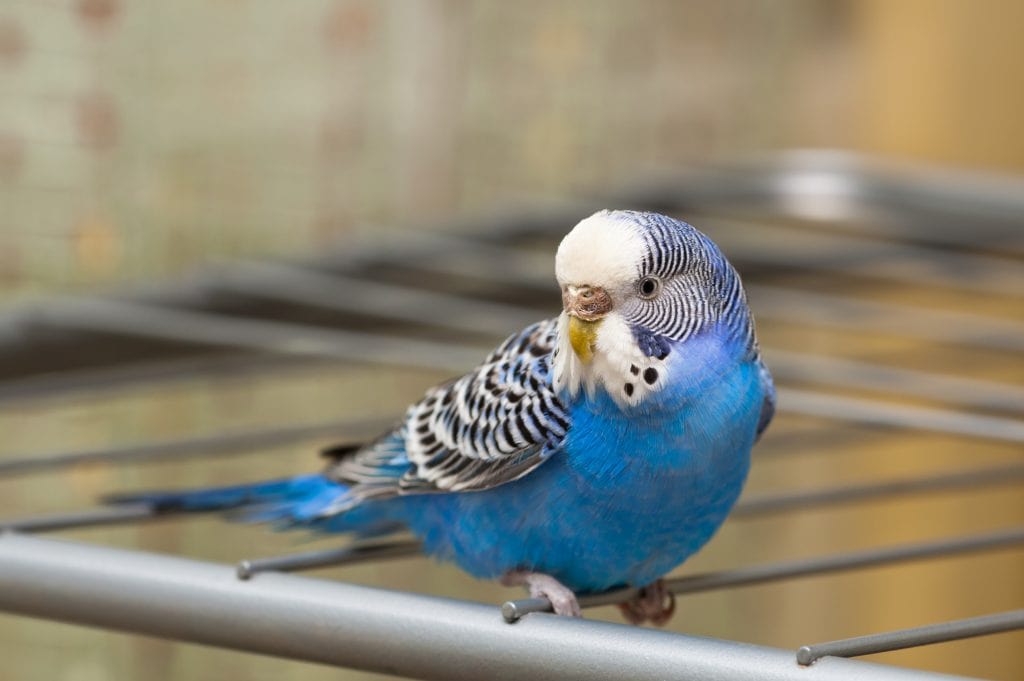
{"x":846,"y":312}
{"x":763,"y":504}
{"x":917,"y":636}
{"x":370,"y":629}
{"x":760,"y":574}
{"x":309,"y":560}
{"x":849,"y":373}
{"x":773,"y":572}
{"x":878,"y":413}
{"x":867,"y":256}
{"x":349,"y":294}
{"x":221,"y":443}
{"x":149,"y":374}
{"x":852,"y":192}
{"x":113,"y":515}
{"x":164,"y":323}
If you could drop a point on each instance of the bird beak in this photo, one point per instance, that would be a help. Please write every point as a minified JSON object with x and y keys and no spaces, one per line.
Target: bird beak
{"x":586,"y":306}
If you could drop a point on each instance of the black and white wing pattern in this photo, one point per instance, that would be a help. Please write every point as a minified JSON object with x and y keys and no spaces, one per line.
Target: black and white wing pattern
{"x":492,"y":426}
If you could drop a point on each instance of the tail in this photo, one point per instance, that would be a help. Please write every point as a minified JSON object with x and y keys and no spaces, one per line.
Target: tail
{"x":288,"y":502}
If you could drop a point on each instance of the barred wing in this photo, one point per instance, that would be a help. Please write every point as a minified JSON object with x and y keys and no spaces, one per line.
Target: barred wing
{"x":489,"y":427}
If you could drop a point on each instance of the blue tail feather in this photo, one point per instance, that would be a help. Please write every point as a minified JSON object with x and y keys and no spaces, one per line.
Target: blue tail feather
{"x":304,"y":495}
{"x":285,"y":502}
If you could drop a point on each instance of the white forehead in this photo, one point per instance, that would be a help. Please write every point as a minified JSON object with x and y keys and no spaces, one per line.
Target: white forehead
{"x":603,"y":250}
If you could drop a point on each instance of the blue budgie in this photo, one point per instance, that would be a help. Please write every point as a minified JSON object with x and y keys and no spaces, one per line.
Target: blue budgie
{"x":594,"y":450}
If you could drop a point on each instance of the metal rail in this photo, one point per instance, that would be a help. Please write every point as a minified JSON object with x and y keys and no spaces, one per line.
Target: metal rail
{"x":829,"y":187}
{"x":218,"y":330}
{"x":882,"y":413}
{"x":975,"y":478}
{"x":348,"y":555}
{"x":918,"y":636}
{"x":772,"y":243}
{"x":772,"y":572}
{"x":243,"y":441}
{"x":371,"y":629}
{"x":50,"y":522}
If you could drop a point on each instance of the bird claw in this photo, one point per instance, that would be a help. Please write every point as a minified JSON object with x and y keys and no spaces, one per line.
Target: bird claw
{"x":563,"y":600}
{"x":654,"y":603}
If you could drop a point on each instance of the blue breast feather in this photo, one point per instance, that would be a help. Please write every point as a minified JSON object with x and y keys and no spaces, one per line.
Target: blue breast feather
{"x":630,"y":495}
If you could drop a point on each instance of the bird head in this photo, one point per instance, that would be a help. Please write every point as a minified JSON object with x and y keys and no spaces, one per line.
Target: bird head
{"x":634,"y":287}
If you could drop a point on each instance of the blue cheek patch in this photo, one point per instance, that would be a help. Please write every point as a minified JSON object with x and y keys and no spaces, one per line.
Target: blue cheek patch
{"x":651,"y":344}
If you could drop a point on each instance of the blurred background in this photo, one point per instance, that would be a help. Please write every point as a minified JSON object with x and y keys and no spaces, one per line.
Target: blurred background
{"x":140,"y":139}
{"x":144,"y":142}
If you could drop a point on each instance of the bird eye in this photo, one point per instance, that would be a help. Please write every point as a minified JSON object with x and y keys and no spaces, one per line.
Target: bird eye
{"x":649,"y":287}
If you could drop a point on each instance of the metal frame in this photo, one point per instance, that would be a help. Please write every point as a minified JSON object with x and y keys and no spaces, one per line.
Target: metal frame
{"x":151,"y":594}
{"x":371,"y":629}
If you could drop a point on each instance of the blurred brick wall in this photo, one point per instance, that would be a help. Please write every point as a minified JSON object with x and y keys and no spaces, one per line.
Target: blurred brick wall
{"x":139,"y":139}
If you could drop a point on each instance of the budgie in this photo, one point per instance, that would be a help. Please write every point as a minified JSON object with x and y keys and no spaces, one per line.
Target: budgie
{"x":597,"y":449}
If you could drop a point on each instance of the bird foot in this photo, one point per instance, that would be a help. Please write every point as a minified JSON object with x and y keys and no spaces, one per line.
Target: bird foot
{"x":654,"y":603}
{"x":563,"y":600}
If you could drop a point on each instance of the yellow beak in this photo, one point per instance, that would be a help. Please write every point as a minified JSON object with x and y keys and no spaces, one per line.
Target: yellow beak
{"x":582,"y":337}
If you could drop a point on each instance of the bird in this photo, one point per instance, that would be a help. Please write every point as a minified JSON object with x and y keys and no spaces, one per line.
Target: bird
{"x":597,"y":449}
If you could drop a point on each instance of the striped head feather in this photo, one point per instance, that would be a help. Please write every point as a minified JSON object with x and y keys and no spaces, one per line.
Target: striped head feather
{"x":634,"y":286}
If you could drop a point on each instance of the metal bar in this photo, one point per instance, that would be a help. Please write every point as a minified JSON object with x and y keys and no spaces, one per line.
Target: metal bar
{"x":146,"y":321}
{"x":361,"y":296}
{"x":834,"y":187}
{"x":147,"y":373}
{"x":872,"y":256}
{"x":309,"y":560}
{"x":371,"y":629}
{"x":943,"y":548}
{"x":65,"y":521}
{"x":774,"y":572}
{"x":918,"y":636}
{"x":875,"y":412}
{"x":846,"y":312}
{"x":848,"y":373}
{"x":222,"y":443}
{"x":754,"y":506}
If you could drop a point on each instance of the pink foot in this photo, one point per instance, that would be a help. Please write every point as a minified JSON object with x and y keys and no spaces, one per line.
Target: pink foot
{"x":563,"y":600}
{"x":653,"y":603}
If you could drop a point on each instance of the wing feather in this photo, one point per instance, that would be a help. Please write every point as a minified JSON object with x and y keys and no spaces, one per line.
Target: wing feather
{"x":768,"y":404}
{"x":489,"y":427}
